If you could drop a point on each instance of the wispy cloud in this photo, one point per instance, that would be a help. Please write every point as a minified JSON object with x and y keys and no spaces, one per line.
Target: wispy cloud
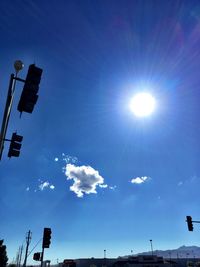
{"x":140,"y":180}
{"x":85,"y":178}
{"x":69,"y":159}
{"x":45,"y":185}
{"x":112,"y":187}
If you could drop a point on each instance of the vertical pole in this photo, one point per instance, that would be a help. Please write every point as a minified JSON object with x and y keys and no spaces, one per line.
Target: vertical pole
{"x":20,"y":256}
{"x":28,"y":240}
{"x":7,"y":112}
{"x":151,"y":247}
{"x":105,"y":257}
{"x":42,"y":256}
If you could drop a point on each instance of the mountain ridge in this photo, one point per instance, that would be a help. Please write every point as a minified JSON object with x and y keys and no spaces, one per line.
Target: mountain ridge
{"x":181,"y":252}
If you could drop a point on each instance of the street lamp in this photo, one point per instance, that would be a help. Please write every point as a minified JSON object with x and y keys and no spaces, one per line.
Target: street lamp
{"x":104,"y":257}
{"x":18,"y":65}
{"x":151,"y":247}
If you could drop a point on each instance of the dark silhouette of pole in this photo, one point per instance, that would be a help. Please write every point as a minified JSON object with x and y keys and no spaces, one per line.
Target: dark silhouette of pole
{"x":104,"y":257}
{"x":7,"y":112}
{"x":28,"y":241}
{"x":20,"y":255}
{"x":42,"y":256}
{"x":151,"y":247}
{"x":18,"y":65}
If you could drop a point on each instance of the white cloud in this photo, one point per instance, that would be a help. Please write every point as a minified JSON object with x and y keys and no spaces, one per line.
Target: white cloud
{"x":103,"y":185}
{"x":180,"y":183}
{"x":56,"y":159}
{"x":28,"y":188}
{"x":45,"y":185}
{"x":85,"y":179}
{"x":140,"y":180}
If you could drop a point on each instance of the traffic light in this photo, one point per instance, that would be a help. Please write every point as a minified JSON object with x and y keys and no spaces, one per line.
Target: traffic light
{"x":15,"y":145}
{"x":36,"y":256}
{"x":46,"y":238}
{"x":29,"y":94}
{"x":189,"y":223}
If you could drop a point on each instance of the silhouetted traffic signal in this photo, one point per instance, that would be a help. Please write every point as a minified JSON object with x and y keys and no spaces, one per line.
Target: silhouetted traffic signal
{"x":36,"y":256}
{"x":46,"y":238}
{"x":189,"y":223}
{"x":15,"y":145}
{"x":29,"y":94}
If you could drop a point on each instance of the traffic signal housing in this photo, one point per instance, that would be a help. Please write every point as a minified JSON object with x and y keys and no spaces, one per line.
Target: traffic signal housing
{"x":29,"y":94}
{"x":15,"y":145}
{"x":36,"y":256}
{"x":46,"y":238}
{"x":189,"y":223}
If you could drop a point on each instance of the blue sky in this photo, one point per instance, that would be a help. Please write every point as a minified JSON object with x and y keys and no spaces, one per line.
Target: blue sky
{"x":83,"y":146}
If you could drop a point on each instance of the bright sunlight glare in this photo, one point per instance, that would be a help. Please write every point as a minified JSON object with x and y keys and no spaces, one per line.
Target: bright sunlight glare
{"x":142,"y":104}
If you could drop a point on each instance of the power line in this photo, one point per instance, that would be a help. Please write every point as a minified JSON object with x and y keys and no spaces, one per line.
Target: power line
{"x":34,"y":247}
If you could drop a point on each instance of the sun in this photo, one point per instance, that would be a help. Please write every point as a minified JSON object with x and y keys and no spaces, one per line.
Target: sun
{"x":142,"y":104}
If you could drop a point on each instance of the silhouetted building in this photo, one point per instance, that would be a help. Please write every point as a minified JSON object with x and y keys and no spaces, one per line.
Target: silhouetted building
{"x":142,"y":261}
{"x":138,"y":261}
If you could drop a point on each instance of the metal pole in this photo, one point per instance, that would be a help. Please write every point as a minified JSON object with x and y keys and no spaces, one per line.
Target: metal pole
{"x":42,"y":256}
{"x":105,"y":257}
{"x":7,"y":112}
{"x":28,"y":240}
{"x":151,"y":247}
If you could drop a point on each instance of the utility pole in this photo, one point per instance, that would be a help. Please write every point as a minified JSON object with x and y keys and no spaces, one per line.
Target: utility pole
{"x":20,"y":255}
{"x":28,"y":241}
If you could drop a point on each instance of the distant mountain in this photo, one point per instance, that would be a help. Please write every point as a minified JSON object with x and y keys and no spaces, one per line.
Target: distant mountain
{"x":181,"y":252}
